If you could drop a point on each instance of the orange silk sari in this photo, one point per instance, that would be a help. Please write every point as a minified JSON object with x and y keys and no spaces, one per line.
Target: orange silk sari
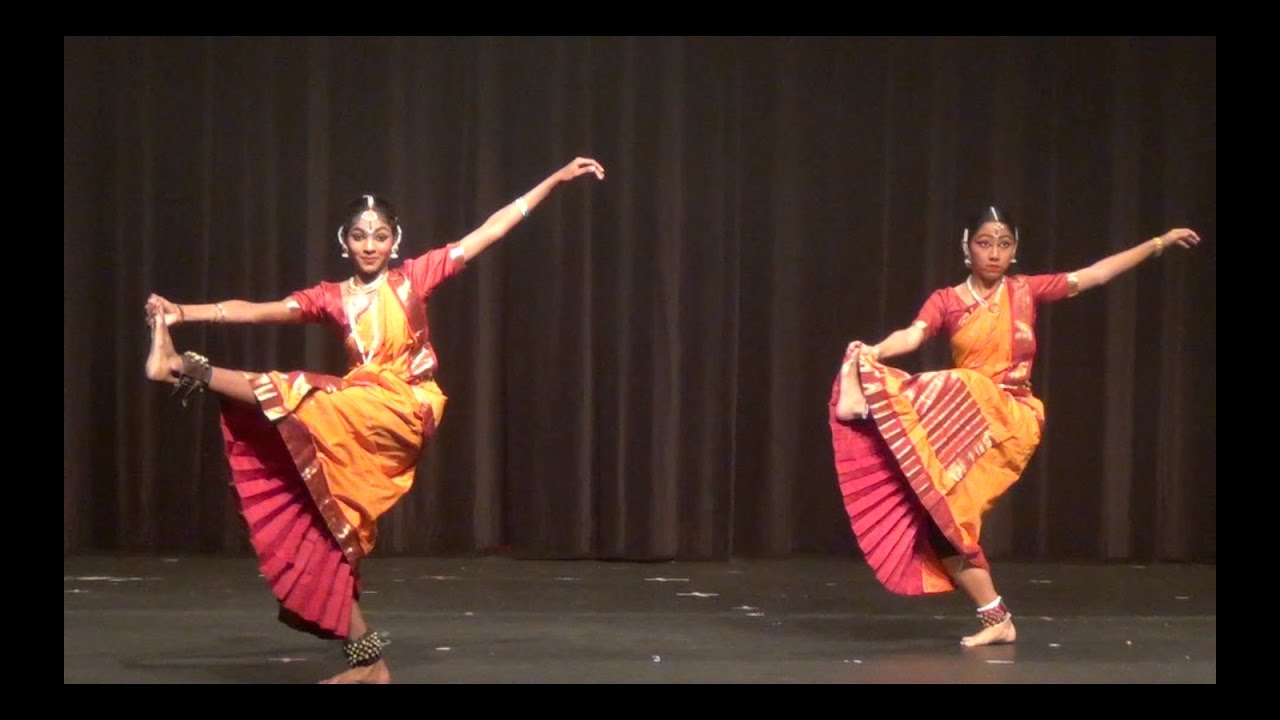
{"x":941,"y":447}
{"x":368,"y":428}
{"x":321,"y":458}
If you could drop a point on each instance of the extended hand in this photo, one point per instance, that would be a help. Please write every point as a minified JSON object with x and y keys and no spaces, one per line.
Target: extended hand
{"x":1183,"y":237}
{"x":581,"y":166}
{"x":157,"y":305}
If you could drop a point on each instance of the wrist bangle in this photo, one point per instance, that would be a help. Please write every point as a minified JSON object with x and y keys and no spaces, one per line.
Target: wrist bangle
{"x":523,"y":207}
{"x":222,"y":313}
{"x":1159,"y":244}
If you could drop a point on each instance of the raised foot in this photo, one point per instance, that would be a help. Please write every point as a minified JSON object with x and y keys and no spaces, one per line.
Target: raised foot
{"x":852,"y":404}
{"x":163,"y":362}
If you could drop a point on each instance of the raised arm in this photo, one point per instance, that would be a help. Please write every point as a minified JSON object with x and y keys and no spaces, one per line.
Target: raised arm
{"x":1101,"y":272}
{"x":227,"y":311}
{"x":501,"y":222}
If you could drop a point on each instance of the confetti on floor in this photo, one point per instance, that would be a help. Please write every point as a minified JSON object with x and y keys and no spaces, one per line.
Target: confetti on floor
{"x":108,"y":578}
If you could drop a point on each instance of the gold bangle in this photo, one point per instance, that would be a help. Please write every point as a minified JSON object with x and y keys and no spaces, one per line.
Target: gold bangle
{"x":1159,"y":244}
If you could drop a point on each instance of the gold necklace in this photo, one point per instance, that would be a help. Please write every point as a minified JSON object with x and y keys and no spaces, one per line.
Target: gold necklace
{"x":994,"y":306}
{"x":369,"y":286}
{"x":371,"y":307}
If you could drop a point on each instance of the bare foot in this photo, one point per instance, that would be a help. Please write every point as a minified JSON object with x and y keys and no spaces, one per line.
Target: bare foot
{"x":1001,"y":632}
{"x":163,"y":364}
{"x":375,"y":674}
{"x":852,"y":404}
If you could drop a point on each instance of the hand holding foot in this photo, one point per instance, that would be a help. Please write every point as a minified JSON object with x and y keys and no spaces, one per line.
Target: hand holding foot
{"x":160,"y":307}
{"x":852,"y":404}
{"x":163,"y":364}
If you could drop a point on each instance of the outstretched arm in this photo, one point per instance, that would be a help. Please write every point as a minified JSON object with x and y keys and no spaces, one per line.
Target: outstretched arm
{"x":501,"y":222}
{"x":1101,"y":272}
{"x":227,"y":311}
{"x":899,"y":342}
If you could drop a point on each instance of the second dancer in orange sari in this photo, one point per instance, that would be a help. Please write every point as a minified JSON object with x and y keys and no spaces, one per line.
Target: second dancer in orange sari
{"x":921,"y":458}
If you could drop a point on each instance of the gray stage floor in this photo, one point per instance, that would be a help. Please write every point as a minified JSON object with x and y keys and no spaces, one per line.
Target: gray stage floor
{"x":503,"y":620}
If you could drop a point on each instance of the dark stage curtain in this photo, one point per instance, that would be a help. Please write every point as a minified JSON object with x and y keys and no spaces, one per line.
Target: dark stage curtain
{"x":640,"y":370}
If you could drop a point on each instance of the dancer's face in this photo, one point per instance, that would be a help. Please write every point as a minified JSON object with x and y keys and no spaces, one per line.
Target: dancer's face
{"x":370,"y":241}
{"x":992,"y":249}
